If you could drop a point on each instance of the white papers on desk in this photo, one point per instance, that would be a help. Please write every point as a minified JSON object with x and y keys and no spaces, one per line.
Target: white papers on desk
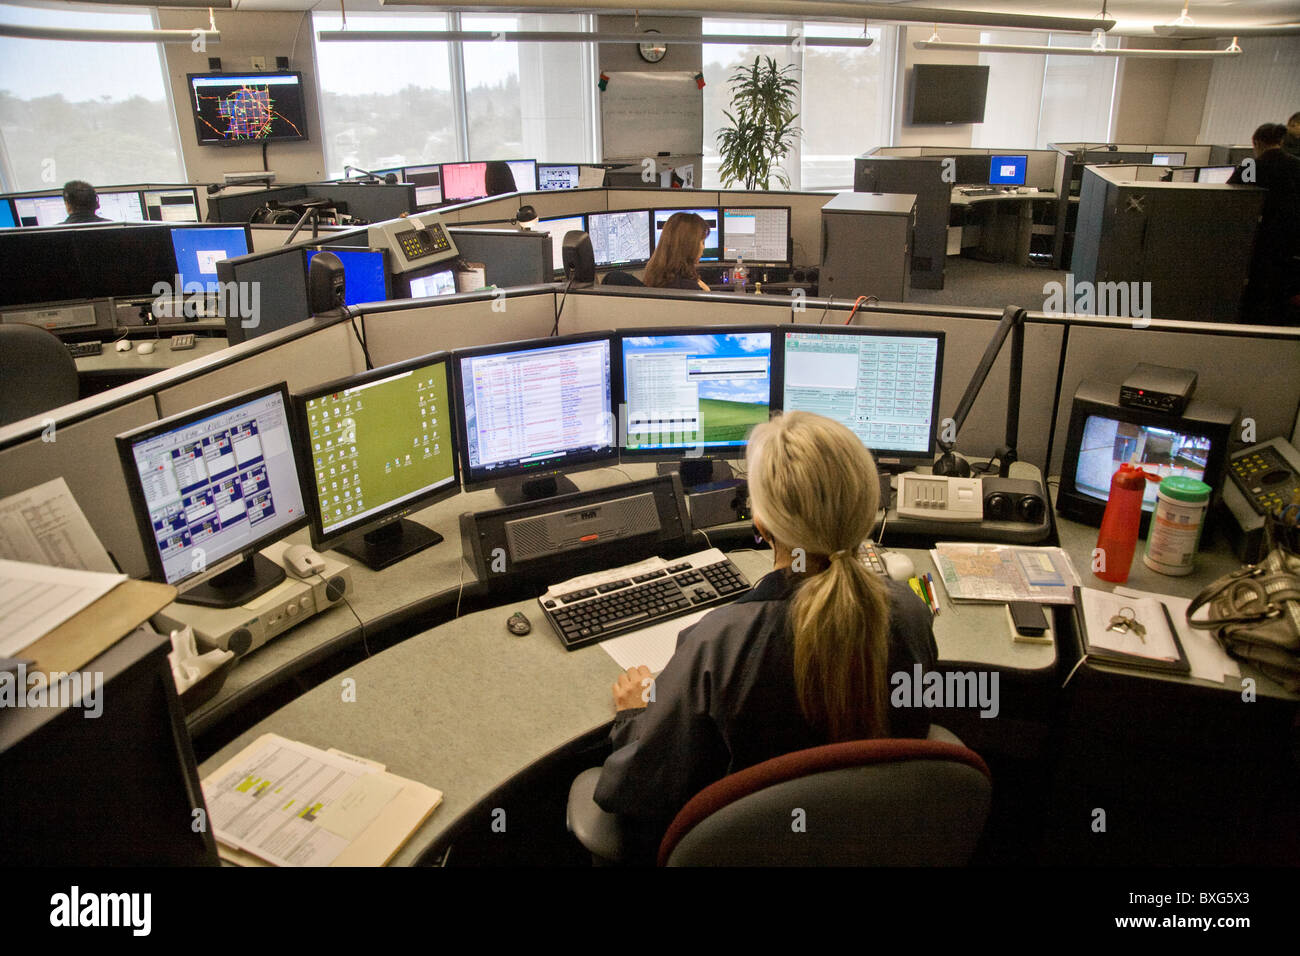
{"x":1100,"y":607}
{"x":45,"y":525}
{"x":35,"y":599}
{"x":651,"y":646}
{"x":1208,"y":660}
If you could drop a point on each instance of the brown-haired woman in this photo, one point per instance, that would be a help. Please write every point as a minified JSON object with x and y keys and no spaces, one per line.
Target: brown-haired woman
{"x":677,"y":253}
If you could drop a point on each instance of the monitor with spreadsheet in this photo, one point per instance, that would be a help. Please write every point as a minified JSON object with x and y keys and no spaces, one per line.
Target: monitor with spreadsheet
{"x":365,"y":273}
{"x":1186,"y":175}
{"x":557,"y":176}
{"x":533,"y":409}
{"x":557,"y":229}
{"x":712,"y":242}
{"x":40,"y":210}
{"x":620,"y":238}
{"x":1214,"y":174}
{"x":378,"y":446}
{"x":1168,"y":159}
{"x":883,"y":384}
{"x":691,"y":392}
{"x":760,"y":235}
{"x":1008,"y":170}
{"x":213,"y":485}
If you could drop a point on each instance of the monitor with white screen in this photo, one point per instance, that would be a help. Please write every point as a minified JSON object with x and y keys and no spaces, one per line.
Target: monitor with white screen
{"x":40,"y":210}
{"x":759,"y":235}
{"x":525,"y":173}
{"x":442,"y":282}
{"x":1214,"y":174}
{"x":1168,"y":159}
{"x":121,"y":206}
{"x":557,"y":229}
{"x":620,"y":238}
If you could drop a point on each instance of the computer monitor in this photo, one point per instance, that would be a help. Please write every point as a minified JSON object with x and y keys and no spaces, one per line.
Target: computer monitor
{"x":1168,"y":159}
{"x":211,"y":486}
{"x":557,"y":176}
{"x":712,"y":242}
{"x":122,"y":206}
{"x":530,"y":410}
{"x":40,"y":210}
{"x":620,"y":238}
{"x":1008,"y":170}
{"x":427,"y":181}
{"x":1103,"y":435}
{"x":7,"y":218}
{"x":525,"y":174}
{"x":365,"y":274}
{"x":883,"y":384}
{"x":1214,"y":174}
{"x":462,"y":182}
{"x":171,"y":205}
{"x":232,"y":109}
{"x":378,"y":446}
{"x":693,"y":394}
{"x":557,"y":228}
{"x":760,"y":235}
{"x":263,"y":293}
{"x":1186,"y":175}
{"x":424,"y":284}
{"x":200,"y":248}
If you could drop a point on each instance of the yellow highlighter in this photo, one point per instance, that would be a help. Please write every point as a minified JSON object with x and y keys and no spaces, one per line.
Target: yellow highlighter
{"x":915,"y":585}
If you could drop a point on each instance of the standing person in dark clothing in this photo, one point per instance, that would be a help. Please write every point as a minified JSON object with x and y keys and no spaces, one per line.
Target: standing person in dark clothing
{"x":801,"y":660}
{"x":674,"y":264}
{"x":80,"y":200}
{"x":1274,"y":270}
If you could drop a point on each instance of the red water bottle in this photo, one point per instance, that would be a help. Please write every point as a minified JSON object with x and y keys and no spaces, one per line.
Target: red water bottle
{"x":1119,"y":525}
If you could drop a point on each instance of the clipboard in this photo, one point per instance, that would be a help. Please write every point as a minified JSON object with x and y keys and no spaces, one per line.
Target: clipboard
{"x":1107,"y":655}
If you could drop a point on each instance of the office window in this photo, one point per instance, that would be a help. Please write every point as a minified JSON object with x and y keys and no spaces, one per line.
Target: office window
{"x":385,"y":104}
{"x":94,"y":111}
{"x":529,"y":100}
{"x":1078,"y":93}
{"x":1015,"y":93}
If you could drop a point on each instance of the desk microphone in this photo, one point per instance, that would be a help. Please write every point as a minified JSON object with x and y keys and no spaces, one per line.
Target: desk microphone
{"x":389,"y":178}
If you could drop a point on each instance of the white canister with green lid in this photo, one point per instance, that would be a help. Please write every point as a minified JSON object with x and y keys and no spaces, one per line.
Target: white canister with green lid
{"x":1176,"y":525}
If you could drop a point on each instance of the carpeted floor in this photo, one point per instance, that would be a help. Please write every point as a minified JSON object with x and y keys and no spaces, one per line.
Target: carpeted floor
{"x":994,"y":285}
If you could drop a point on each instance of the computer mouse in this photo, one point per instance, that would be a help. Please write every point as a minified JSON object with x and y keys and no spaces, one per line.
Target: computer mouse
{"x":123,"y":346}
{"x":518,"y":624}
{"x":899,"y":566}
{"x":144,"y":348}
{"x":301,"y":561}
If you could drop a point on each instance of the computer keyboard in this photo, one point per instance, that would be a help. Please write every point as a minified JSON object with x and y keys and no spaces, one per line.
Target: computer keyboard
{"x":979,"y":191}
{"x":84,"y":349}
{"x":598,"y":606}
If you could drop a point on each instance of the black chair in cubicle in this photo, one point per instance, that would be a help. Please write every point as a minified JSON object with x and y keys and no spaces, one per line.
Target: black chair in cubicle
{"x":618,"y":277}
{"x":37,"y":371}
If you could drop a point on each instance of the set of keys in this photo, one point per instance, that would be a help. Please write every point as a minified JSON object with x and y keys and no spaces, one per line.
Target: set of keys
{"x":1123,"y":623}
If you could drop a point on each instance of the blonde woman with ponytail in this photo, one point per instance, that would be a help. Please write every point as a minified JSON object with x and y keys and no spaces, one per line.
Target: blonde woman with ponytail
{"x":803,"y":659}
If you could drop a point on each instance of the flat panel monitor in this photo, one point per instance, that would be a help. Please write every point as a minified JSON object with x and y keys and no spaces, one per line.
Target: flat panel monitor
{"x":712,"y":242}
{"x":1187,"y":175}
{"x":365,"y":274}
{"x":441,"y":282}
{"x":171,"y":205}
{"x":688,"y":393}
{"x":557,"y":228}
{"x":122,"y":206}
{"x":1214,"y":174}
{"x":263,"y":293}
{"x":211,"y":486}
{"x":1168,"y":159}
{"x":557,"y":176}
{"x":380,"y":445}
{"x":1104,"y":434}
{"x":530,"y":410}
{"x":760,"y":235}
{"x":1008,"y":170}
{"x":200,"y":248}
{"x":40,"y":210}
{"x":231,"y":109}
{"x":427,"y":181}
{"x":462,"y":182}
{"x":944,"y":93}
{"x":525,"y":174}
{"x":7,"y":218}
{"x":883,"y":384}
{"x":620,"y":238}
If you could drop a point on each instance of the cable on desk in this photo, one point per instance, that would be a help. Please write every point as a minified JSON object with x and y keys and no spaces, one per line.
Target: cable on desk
{"x":830,"y":300}
{"x":1077,"y":665}
{"x":858,"y":304}
{"x":361,"y":340}
{"x":559,"y":310}
{"x":461,"y":588}
{"x":365,"y":645}
{"x":706,"y":536}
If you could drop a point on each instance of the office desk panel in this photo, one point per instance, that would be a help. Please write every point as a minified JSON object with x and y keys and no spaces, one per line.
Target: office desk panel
{"x":112,"y":362}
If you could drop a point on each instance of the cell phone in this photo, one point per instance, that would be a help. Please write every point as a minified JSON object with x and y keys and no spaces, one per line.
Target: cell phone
{"x":1028,"y":617}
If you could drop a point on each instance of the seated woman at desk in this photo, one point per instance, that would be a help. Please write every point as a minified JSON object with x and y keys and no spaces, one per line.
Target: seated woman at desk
{"x":801,"y":660}
{"x":677,"y":254}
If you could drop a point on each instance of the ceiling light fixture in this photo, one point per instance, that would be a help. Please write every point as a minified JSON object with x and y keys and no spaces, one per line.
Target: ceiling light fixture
{"x":575,"y":36}
{"x":79,"y":34}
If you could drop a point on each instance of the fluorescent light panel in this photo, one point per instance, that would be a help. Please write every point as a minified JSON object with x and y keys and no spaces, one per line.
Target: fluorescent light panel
{"x":26,"y":32}
{"x":566,"y":36}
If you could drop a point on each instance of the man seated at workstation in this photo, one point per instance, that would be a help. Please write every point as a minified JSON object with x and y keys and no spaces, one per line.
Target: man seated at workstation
{"x":676,"y":259}
{"x":1272,"y":278}
{"x":82,"y":202}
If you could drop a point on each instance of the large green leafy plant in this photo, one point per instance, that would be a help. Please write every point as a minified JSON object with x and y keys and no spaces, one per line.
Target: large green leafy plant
{"x":761,"y":130}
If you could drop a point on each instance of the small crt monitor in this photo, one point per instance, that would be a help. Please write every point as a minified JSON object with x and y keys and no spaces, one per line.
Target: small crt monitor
{"x":1007,"y":170}
{"x":557,"y":176}
{"x":524,"y":172}
{"x":365,"y":274}
{"x":760,"y":235}
{"x":1214,"y":174}
{"x":232,"y":108}
{"x":40,"y":210}
{"x":693,"y":393}
{"x":1168,"y":159}
{"x":379,"y":445}
{"x":199,"y":249}
{"x":531,"y":410}
{"x":620,"y":238}
{"x":211,"y":486}
{"x":171,"y":205}
{"x":427,"y":181}
{"x":462,"y":182}
{"x":712,"y":242}
{"x":121,"y":206}
{"x":558,"y":228}
{"x":883,"y":384}
{"x":427,"y":284}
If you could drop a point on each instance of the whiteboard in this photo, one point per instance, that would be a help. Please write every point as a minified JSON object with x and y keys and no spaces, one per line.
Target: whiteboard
{"x":645,"y":114}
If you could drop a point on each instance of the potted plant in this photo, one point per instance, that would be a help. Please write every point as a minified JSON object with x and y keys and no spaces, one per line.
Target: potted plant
{"x":761,"y":130}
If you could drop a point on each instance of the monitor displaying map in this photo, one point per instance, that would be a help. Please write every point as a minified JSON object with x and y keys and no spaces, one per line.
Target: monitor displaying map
{"x":230,"y":109}
{"x":620,"y":238}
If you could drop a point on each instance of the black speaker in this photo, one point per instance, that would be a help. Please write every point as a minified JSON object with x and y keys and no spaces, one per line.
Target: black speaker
{"x":1013,"y":499}
{"x":325,"y":283}
{"x":282,"y":63}
{"x":578,"y":257}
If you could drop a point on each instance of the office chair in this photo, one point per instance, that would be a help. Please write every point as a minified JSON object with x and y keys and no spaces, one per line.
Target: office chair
{"x":618,"y":277}
{"x":37,"y":373}
{"x":887,"y":802}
